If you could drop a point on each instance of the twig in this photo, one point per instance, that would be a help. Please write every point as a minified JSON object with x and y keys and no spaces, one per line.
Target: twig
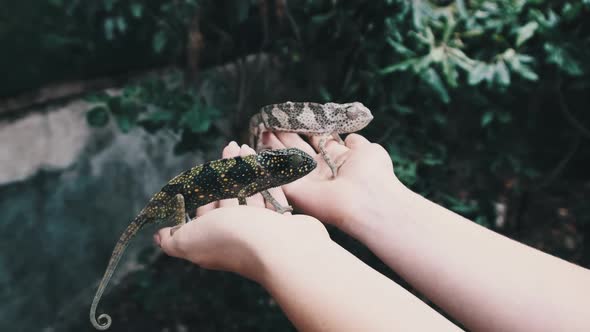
{"x":561,"y":165}
{"x":570,"y":117}
{"x":282,"y":5}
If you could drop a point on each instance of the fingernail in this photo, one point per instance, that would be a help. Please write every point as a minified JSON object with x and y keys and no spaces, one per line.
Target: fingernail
{"x":244,"y":146}
{"x":157,"y":239}
{"x":233,"y":143}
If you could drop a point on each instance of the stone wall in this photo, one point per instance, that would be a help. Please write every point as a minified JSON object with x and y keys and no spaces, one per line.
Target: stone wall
{"x":67,"y":191}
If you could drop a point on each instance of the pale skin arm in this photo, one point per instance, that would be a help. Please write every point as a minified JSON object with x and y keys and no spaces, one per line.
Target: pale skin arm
{"x":486,"y":281}
{"x":318,"y":284}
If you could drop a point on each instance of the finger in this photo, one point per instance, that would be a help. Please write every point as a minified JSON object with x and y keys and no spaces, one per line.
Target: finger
{"x":231,"y":150}
{"x":166,"y":241}
{"x":292,"y":140}
{"x":201,"y":210}
{"x":279,"y":195}
{"x":354,"y":141}
{"x":257,"y":199}
{"x":270,"y":140}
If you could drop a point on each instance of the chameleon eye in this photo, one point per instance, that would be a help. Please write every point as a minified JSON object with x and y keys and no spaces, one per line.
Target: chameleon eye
{"x":296,"y":159}
{"x":352,"y":113}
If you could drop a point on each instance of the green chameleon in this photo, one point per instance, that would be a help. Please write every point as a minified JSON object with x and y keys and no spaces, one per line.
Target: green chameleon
{"x":238,"y":177}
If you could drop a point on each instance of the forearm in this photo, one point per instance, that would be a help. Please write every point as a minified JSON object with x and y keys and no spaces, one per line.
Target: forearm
{"x":322,"y":287}
{"x":485,"y":280}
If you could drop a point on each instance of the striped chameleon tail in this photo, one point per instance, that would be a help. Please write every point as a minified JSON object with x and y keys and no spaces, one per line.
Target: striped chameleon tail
{"x":115,"y":257}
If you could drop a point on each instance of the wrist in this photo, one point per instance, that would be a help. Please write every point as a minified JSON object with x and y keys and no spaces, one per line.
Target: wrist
{"x":290,"y":253}
{"x":382,"y":206}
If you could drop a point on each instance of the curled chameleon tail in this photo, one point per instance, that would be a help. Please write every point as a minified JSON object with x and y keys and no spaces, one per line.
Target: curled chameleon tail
{"x":115,"y":257}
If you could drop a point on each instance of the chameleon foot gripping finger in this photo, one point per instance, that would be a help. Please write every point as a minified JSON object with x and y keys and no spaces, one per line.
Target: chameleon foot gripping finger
{"x":310,"y":119}
{"x":326,"y":156}
{"x":275,"y":204}
{"x":337,"y":138}
{"x":237,"y":177}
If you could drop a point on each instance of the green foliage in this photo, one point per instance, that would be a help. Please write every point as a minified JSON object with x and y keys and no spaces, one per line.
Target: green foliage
{"x":476,"y":101}
{"x":454,"y":84}
{"x":157,"y":103}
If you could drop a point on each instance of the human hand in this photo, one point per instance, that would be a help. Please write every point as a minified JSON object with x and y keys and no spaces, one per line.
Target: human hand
{"x":365,"y":179}
{"x":240,"y":239}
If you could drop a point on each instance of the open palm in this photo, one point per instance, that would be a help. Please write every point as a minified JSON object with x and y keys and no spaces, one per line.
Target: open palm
{"x":365,"y":173}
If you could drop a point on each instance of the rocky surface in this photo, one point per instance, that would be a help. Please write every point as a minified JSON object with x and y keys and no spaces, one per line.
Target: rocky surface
{"x":68,"y":191}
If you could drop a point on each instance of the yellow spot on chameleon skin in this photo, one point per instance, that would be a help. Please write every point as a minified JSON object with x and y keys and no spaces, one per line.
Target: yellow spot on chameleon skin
{"x":201,"y":196}
{"x":225,"y":179}
{"x":196,"y":190}
{"x":222,"y":175}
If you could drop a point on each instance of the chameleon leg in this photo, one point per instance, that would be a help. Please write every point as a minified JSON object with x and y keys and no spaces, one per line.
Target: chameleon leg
{"x":180,"y":215}
{"x":337,"y":138}
{"x":278,"y":207}
{"x":179,"y":210}
{"x":327,"y":159}
{"x":252,"y":189}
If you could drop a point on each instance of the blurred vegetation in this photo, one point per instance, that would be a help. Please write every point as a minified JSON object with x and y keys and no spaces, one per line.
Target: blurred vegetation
{"x":478,"y":102}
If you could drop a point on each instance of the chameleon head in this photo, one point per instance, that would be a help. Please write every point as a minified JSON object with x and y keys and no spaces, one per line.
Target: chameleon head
{"x":356,"y":115}
{"x":286,"y":165}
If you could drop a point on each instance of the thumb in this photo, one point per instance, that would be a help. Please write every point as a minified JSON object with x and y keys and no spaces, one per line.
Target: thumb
{"x":168,"y":243}
{"x":354,"y":141}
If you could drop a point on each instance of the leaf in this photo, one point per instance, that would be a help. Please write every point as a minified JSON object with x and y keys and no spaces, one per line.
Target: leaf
{"x":325,"y":94}
{"x":98,"y":116}
{"x":159,"y":41}
{"x":517,"y":65}
{"x":431,"y":77}
{"x":399,"y":48}
{"x":430,"y":159}
{"x":481,"y":71}
{"x":457,"y":57}
{"x":109,"y":28}
{"x":487,"y":118}
{"x":405,"y":169}
{"x":401,"y":109}
{"x":400,"y":66}
{"x":136,"y":9}
{"x":563,"y":59}
{"x":548,"y":22}
{"x":196,"y":120}
{"x":322,"y":18}
{"x":501,"y":74}
{"x":124,"y":121}
{"x":121,"y":23}
{"x":423,"y":63}
{"x":525,"y":32}
{"x":571,"y":12}
{"x":450,"y":72}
